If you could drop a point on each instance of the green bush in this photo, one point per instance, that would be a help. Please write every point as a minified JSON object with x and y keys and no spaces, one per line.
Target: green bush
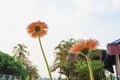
{"x":11,"y":67}
{"x":83,"y":73}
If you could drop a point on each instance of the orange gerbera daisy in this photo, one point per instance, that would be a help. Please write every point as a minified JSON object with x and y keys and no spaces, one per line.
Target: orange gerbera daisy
{"x":91,"y":44}
{"x":36,"y":29}
{"x":84,"y":44}
{"x":39,"y":29}
{"x":76,"y":48}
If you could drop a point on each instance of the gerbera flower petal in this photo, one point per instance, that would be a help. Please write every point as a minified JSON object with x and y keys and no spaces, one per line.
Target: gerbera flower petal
{"x":76,"y":48}
{"x":91,"y":43}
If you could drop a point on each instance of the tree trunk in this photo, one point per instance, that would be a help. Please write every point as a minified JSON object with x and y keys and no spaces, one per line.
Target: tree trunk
{"x":30,"y":76}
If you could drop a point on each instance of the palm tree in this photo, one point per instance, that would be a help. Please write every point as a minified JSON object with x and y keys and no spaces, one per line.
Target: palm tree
{"x":32,"y":72}
{"x":62,"y":56}
{"x":20,"y":52}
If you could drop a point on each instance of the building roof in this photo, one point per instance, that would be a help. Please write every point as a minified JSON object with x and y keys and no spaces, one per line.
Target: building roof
{"x":116,"y":41}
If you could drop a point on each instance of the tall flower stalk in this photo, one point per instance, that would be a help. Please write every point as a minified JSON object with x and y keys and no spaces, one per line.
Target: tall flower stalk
{"x":38,"y":29}
{"x":89,"y":66}
{"x":82,"y":46}
{"x":45,"y":59}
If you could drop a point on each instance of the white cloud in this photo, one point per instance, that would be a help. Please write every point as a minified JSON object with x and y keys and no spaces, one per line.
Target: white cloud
{"x":84,"y":11}
{"x":107,"y":6}
{"x":115,"y":5}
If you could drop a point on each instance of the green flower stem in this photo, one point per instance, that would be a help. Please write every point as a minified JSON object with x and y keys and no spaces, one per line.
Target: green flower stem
{"x":45,"y":59}
{"x":89,"y":66}
{"x":90,"y":70}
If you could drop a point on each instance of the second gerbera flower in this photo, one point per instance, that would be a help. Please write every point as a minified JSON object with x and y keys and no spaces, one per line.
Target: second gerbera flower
{"x":89,"y":44}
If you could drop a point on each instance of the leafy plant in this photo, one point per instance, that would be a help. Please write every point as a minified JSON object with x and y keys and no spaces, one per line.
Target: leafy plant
{"x":9,"y":66}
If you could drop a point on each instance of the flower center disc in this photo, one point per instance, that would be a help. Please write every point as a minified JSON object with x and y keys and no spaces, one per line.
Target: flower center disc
{"x":37,"y":28}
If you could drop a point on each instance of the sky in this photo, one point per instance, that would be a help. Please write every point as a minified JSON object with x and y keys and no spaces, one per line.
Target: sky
{"x":78,"y":19}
